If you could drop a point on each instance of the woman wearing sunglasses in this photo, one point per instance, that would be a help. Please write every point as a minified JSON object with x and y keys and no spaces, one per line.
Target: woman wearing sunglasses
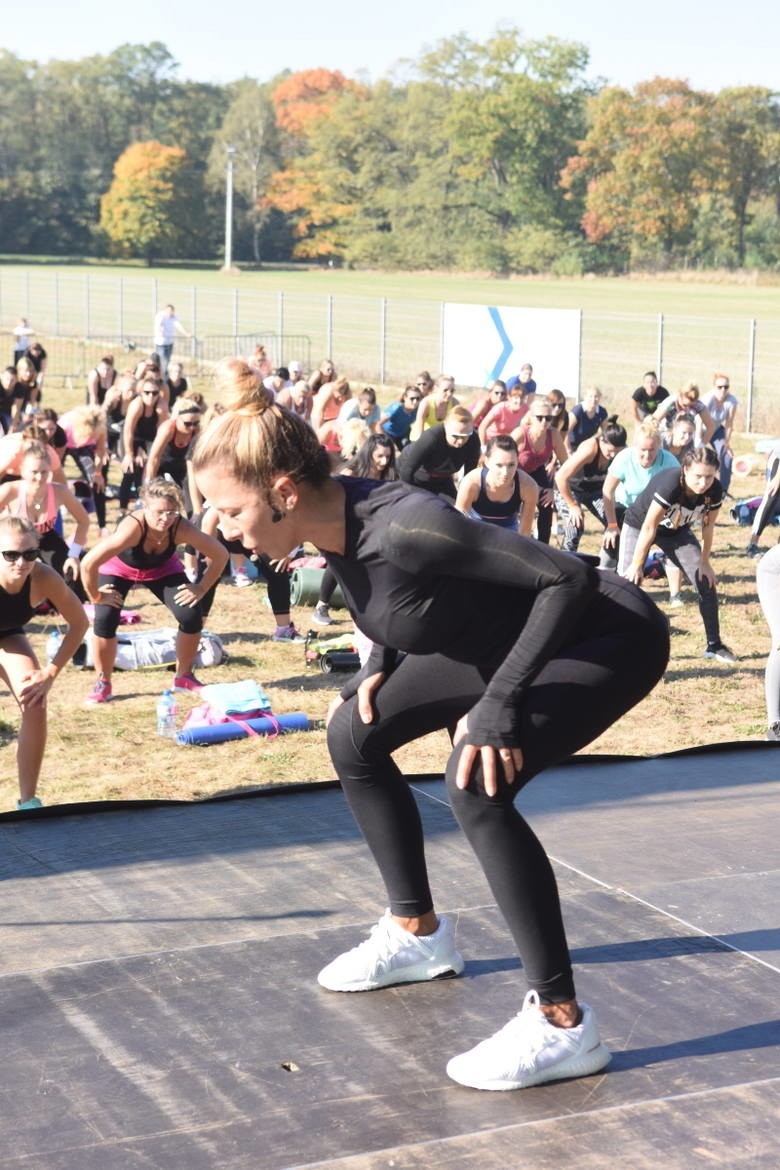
{"x":142,"y":551}
{"x":539,"y":448}
{"x":36,"y":498}
{"x":144,"y":415}
{"x":24,"y":584}
{"x":170,"y":452}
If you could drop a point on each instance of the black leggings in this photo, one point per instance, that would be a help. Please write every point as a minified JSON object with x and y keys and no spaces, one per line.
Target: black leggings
{"x":84,"y":458}
{"x":544,"y":513}
{"x":612,"y":661}
{"x":770,"y":504}
{"x":189,"y":618}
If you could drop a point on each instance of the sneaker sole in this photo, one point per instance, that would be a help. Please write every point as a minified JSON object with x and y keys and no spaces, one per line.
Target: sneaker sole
{"x":584,"y":1064}
{"x":414,"y":973}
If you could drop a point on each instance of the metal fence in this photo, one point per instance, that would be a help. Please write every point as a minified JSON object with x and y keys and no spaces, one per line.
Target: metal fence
{"x":378,"y":340}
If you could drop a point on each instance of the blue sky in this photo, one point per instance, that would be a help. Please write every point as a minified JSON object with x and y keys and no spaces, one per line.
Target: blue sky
{"x":713,"y":45}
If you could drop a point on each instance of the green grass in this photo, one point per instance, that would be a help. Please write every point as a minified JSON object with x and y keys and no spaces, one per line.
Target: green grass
{"x":687,"y":295}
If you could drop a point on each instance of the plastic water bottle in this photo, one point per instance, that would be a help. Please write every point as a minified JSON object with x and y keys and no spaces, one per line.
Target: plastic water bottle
{"x":166,"y":715}
{"x":53,"y":643}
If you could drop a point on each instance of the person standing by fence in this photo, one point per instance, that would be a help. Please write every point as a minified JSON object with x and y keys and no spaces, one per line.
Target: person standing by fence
{"x":166,"y":326}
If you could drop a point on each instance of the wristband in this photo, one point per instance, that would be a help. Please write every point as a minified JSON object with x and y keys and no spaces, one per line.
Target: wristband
{"x":75,"y":549}
{"x":613,"y":528}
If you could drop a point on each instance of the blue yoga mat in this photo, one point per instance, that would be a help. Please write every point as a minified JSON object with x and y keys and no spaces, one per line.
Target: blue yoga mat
{"x":220,"y":732}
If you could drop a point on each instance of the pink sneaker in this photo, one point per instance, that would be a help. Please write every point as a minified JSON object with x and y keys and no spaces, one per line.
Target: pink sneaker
{"x":100,"y":693}
{"x":186,"y":682}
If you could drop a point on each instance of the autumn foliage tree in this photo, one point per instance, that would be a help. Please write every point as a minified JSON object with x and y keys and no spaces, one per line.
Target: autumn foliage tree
{"x":642,"y":168}
{"x":145,"y":212}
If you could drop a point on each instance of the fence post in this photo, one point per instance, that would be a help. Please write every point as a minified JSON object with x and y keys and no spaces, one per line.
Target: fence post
{"x":659,"y":357}
{"x":441,"y":335}
{"x":121,"y":307}
{"x":27,"y":293}
{"x":579,"y":362}
{"x":87,"y":323}
{"x":235,"y":320}
{"x":56,"y":304}
{"x":194,"y":327}
{"x":280,"y":328}
{"x":383,"y":340}
{"x":329,"y":326}
{"x":751,"y":369}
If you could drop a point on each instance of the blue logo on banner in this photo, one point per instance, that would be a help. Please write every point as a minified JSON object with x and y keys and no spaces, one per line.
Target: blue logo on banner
{"x":507,"y":344}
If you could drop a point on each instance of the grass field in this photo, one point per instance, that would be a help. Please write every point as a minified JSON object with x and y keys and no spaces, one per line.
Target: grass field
{"x":682,"y":294}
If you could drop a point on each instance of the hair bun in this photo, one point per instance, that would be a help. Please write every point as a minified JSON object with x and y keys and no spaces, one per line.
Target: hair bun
{"x":239,"y":387}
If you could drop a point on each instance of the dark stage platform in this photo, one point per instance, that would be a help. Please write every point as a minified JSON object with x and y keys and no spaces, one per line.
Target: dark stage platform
{"x":160,"y":1007}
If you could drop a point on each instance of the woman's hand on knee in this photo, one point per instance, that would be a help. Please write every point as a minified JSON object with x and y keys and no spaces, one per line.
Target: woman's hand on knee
{"x":497,"y":763}
{"x":365,"y":696}
{"x":108,"y":595}
{"x":35,"y":687}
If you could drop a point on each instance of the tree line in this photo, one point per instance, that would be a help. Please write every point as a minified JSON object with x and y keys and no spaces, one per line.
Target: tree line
{"x":499,"y":155}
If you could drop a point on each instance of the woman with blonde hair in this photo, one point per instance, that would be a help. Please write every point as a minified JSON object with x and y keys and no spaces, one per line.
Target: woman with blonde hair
{"x":628,"y":474}
{"x":86,"y":436}
{"x":497,"y":636}
{"x":687,"y":401}
{"x":172,"y":447}
{"x":435,"y":407}
{"x":24,"y":584}
{"x":37,"y":499}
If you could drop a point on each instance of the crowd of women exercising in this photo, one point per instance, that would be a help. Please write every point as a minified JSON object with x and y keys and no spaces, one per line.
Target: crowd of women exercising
{"x":509,"y":455}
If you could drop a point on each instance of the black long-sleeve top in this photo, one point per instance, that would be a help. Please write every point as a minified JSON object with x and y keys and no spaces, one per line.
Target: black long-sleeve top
{"x":432,"y":457}
{"x":420,"y":577}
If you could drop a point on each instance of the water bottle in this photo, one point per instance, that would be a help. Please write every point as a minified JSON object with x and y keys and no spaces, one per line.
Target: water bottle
{"x":166,"y":715}
{"x":53,"y":643}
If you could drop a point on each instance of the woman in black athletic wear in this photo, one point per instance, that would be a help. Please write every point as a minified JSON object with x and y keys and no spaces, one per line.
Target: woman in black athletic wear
{"x":144,"y":415}
{"x":499,"y":635}
{"x":24,"y":584}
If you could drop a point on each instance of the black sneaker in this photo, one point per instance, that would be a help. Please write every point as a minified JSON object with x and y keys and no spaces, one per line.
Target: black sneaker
{"x":752,"y":550}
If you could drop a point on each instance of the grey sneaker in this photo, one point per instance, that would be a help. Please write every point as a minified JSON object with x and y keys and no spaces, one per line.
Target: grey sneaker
{"x":773,"y":733}
{"x":320,"y":615}
{"x":529,"y":1050}
{"x":721,"y":652}
{"x":287,"y":634}
{"x":392,"y":955}
{"x":676,"y":601}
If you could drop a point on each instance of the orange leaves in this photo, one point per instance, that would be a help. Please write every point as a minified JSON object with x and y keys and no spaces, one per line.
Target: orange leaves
{"x":304,"y":98}
{"x":136,"y":213}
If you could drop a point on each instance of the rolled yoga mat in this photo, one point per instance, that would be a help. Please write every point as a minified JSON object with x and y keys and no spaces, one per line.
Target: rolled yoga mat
{"x":305,"y":588}
{"x":221,"y":732}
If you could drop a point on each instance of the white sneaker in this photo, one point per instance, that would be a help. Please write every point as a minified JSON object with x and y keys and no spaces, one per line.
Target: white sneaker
{"x":392,"y":955}
{"x":529,"y":1050}
{"x":241,"y":578}
{"x":320,"y":615}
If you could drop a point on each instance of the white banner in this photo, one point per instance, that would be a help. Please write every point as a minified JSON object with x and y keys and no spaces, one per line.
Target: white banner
{"x":484,"y":342}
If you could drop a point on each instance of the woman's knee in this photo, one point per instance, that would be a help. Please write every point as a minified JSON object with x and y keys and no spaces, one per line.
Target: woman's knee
{"x":106,"y":621}
{"x":190,"y":621}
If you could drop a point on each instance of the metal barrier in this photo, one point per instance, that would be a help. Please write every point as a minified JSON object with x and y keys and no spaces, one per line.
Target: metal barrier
{"x":374,"y":339}
{"x":71,"y":358}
